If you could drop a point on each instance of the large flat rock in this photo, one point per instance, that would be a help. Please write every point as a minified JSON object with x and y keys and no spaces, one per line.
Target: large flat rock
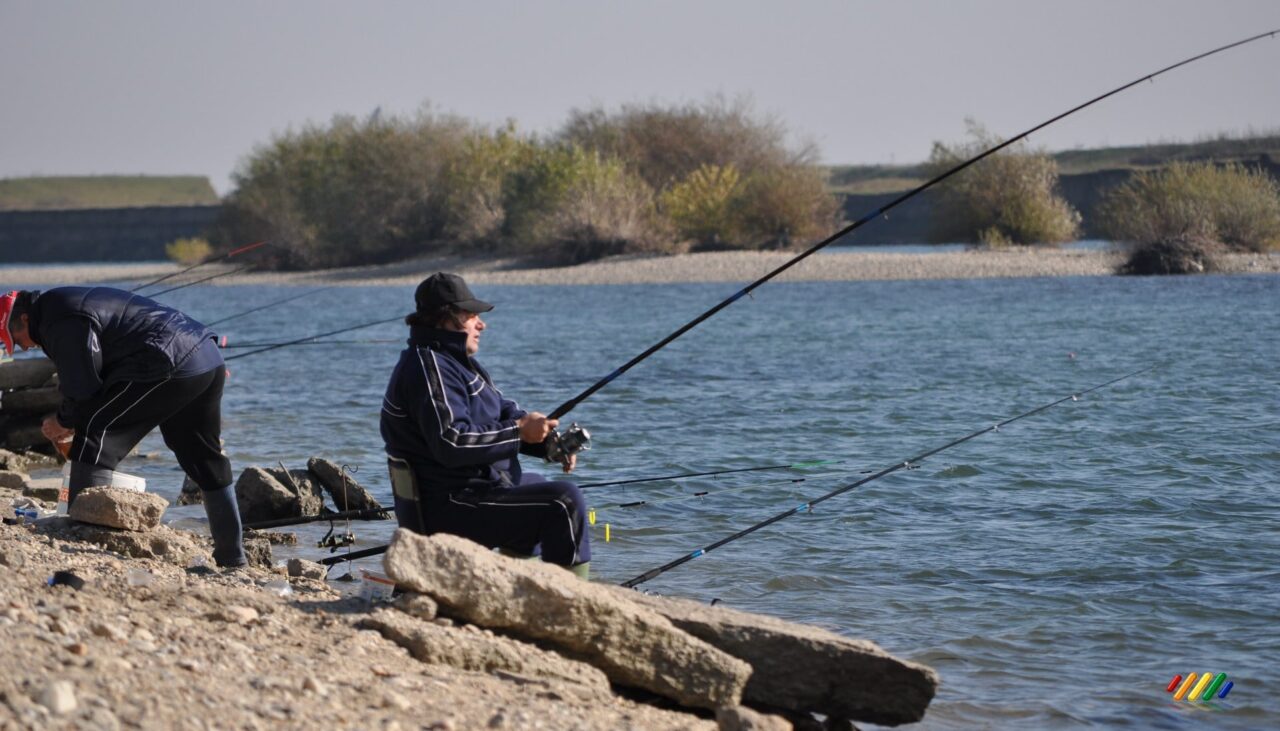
{"x":803,"y":668}
{"x":479,"y":652}
{"x":633,"y":645}
{"x":116,"y":508}
{"x":344,"y":491}
{"x":162,"y":542}
{"x":261,"y":497}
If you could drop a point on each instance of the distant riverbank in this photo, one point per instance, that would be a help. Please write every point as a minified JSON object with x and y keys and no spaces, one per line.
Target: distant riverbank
{"x":735,"y":266}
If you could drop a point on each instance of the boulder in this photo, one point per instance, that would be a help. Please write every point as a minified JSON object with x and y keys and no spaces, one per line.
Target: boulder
{"x":26,"y":373}
{"x":162,"y":542}
{"x":304,"y":486}
{"x":261,"y":497}
{"x":806,"y":669}
{"x":480,"y":652}
{"x":346,"y":494}
{"x":12,"y":461}
{"x":191,"y":494}
{"x":257,"y":551}
{"x":116,"y":508}
{"x":300,"y":567}
{"x":13,"y":480}
{"x":634,"y":646}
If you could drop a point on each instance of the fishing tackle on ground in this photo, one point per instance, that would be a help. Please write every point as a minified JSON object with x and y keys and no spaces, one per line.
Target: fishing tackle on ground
{"x":369,"y":514}
{"x":568,"y":406}
{"x":905,"y":464}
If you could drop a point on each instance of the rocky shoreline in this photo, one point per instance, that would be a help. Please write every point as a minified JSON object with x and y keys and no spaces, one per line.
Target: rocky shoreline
{"x":737,"y":266}
{"x":137,"y":631}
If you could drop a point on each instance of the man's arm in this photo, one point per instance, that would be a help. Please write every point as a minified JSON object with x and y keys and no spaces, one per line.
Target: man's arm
{"x":74,"y":347}
{"x":448,"y":427}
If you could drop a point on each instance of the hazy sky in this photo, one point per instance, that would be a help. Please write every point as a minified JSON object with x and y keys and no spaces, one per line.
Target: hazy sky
{"x":98,"y":87}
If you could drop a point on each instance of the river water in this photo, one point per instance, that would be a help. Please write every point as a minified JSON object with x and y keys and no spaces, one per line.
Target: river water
{"x":1057,"y":573}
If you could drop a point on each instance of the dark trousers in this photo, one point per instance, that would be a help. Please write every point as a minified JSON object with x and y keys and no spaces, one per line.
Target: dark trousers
{"x":187,"y":410}
{"x":537,"y":512}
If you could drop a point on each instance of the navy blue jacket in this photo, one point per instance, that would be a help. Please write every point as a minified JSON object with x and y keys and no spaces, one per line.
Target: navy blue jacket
{"x":443,"y":415}
{"x":99,"y":336}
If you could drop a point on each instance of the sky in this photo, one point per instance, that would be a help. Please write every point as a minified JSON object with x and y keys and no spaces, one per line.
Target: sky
{"x":91,"y":87}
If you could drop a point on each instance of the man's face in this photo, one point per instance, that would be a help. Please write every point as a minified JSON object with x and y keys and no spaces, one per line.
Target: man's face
{"x":472,"y":325}
{"x":21,"y":333}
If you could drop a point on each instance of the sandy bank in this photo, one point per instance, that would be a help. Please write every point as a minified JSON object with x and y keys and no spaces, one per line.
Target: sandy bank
{"x":738,"y":266}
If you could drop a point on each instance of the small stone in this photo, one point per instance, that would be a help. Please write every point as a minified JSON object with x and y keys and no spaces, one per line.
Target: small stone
{"x":396,"y":701}
{"x":189,"y":664}
{"x":107,"y":631}
{"x":417,"y":605}
{"x":78,"y":648}
{"x":498,"y":721}
{"x":59,"y":697}
{"x":143,"y":635}
{"x":13,"y":558}
{"x":311,"y":685}
{"x":238,"y":614}
{"x":13,"y":480}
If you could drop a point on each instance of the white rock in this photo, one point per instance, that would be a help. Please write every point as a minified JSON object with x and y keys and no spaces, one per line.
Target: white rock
{"x":59,"y":697}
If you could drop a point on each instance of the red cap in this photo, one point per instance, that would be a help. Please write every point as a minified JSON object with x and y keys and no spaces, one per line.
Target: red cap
{"x":6,"y":309}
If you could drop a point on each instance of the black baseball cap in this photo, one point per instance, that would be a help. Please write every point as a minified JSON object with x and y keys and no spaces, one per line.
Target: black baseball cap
{"x":443,"y":288}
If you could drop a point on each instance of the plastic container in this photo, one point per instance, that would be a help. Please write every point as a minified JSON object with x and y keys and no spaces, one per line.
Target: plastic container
{"x":376,"y":587}
{"x":119,"y":480}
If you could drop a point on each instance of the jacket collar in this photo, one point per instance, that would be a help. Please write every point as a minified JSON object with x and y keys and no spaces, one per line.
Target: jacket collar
{"x":446,"y":341}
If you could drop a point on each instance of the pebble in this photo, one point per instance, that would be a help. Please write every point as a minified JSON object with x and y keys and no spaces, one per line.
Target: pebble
{"x":242,"y":615}
{"x":78,"y":648}
{"x":59,"y":697}
{"x":107,"y":631}
{"x":189,"y":664}
{"x":312,"y":685}
{"x":396,"y":701}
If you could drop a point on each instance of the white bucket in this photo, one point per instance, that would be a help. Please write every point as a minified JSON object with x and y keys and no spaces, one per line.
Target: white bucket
{"x":119,"y":480}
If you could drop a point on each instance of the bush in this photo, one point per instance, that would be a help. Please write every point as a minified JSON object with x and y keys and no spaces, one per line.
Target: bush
{"x":355,"y":192}
{"x":725,"y":179}
{"x":1230,"y":204}
{"x":188,"y":251}
{"x":1180,"y":255}
{"x":474,"y":181}
{"x":1008,"y":198}
{"x":571,"y":205}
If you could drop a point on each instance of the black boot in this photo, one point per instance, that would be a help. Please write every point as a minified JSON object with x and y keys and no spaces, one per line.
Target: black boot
{"x":224,"y":524}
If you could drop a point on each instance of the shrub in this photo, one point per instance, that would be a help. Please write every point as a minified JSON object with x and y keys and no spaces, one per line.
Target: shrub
{"x":1189,"y":254}
{"x":1230,"y":204}
{"x":783,"y":207}
{"x":1006,"y":199}
{"x":474,"y":182}
{"x":571,"y":205}
{"x":353,"y":192}
{"x":701,"y":206}
{"x":188,"y":251}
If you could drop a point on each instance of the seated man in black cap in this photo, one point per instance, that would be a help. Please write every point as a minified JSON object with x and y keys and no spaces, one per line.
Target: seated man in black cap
{"x":453,"y":439}
{"x":127,"y":364}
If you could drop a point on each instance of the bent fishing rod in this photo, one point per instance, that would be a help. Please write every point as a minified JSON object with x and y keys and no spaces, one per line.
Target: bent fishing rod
{"x":230,"y":254}
{"x":905,"y":464}
{"x":569,"y":405}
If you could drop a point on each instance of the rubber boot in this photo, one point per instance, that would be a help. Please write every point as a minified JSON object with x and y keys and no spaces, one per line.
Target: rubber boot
{"x":224,"y":524}
{"x":582,"y":570}
{"x":85,"y":475}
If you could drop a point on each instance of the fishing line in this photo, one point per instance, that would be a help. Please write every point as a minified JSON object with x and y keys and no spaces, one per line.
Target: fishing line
{"x":263,"y":307}
{"x":792,"y":466}
{"x":153,"y":295}
{"x":568,"y":406}
{"x":300,"y":341}
{"x":905,"y":464}
{"x":228,"y":255}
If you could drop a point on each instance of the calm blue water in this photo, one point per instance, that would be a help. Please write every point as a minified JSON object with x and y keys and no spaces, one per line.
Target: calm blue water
{"x":1056,"y":573}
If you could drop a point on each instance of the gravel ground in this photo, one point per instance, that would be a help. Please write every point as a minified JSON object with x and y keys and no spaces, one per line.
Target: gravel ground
{"x":151,"y":645}
{"x":735,"y":266}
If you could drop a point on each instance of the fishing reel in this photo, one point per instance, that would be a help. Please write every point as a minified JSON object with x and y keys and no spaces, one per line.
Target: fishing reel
{"x":562,"y":446}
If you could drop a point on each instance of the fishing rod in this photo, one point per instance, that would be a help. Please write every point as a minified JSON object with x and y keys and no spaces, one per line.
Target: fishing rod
{"x":569,"y":405}
{"x":794,"y":465}
{"x":200,"y":281}
{"x":228,"y":255}
{"x":263,"y":307}
{"x":366,"y":514}
{"x":385,"y":341}
{"x":905,"y":464}
{"x":300,"y":341}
